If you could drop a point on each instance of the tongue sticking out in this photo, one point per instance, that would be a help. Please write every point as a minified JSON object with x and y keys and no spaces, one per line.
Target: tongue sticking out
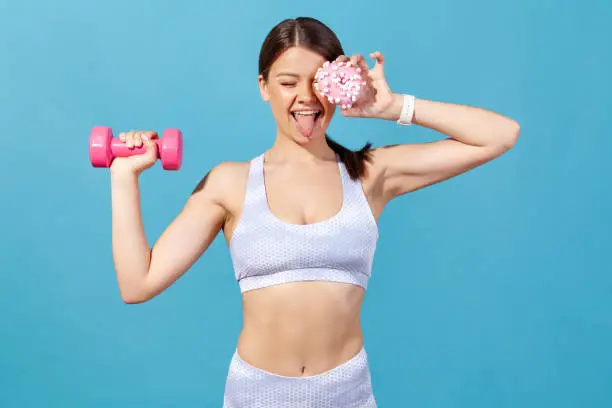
{"x":305,"y":124}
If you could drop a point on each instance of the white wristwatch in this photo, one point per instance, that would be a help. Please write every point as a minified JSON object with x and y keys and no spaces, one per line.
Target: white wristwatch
{"x":407,"y":111}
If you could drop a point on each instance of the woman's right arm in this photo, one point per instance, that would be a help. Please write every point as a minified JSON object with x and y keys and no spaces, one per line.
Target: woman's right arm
{"x":144,"y":272}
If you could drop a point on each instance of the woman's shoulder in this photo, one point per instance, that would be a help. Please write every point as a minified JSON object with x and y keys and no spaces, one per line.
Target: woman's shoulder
{"x":225,"y":184}
{"x":224,"y":175}
{"x":231,"y":171}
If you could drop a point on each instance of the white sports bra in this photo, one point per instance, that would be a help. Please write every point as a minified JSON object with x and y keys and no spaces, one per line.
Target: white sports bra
{"x":267,"y":251}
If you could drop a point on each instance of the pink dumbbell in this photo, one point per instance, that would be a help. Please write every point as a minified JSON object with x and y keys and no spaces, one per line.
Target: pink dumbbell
{"x":340,"y":82}
{"x":103,"y":148}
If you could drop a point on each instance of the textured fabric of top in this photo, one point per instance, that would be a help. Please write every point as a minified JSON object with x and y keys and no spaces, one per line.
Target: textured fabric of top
{"x":267,"y":251}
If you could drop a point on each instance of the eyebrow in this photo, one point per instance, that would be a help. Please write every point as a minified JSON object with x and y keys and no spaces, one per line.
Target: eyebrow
{"x":287,"y":74}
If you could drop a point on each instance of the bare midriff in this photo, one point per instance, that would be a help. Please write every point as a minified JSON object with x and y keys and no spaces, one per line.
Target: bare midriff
{"x":301,"y":329}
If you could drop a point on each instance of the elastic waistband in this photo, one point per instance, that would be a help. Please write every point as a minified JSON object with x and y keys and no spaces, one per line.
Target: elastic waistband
{"x":346,"y":385}
{"x":305,"y":274}
{"x":358,"y":362}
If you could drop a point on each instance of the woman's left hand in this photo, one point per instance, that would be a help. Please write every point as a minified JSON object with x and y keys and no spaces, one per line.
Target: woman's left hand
{"x":376,"y":100}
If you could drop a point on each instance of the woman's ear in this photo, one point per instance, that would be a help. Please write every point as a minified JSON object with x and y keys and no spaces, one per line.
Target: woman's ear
{"x":263,"y":88}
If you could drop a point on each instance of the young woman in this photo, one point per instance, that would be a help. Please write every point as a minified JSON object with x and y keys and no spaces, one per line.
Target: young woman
{"x":300,"y":221}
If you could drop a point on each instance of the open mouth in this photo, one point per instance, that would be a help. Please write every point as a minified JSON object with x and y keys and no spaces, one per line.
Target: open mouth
{"x":306,"y":120}
{"x":314,"y":112}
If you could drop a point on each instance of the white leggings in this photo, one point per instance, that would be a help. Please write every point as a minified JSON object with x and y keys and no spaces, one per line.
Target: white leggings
{"x":347,"y":385}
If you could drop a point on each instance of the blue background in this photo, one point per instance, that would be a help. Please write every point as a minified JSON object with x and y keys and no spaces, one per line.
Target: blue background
{"x":489,"y":290}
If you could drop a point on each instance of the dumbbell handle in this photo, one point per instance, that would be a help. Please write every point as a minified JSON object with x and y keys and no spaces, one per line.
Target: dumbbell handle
{"x":120,"y":149}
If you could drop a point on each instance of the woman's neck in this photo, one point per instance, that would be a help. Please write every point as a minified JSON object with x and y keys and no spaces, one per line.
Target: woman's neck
{"x":286,"y":149}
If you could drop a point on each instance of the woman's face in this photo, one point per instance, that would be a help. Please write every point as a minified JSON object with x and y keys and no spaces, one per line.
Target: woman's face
{"x":301,"y":113}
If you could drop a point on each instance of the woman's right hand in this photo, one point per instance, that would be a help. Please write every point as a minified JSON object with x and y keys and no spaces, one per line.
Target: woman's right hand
{"x":137,"y":163}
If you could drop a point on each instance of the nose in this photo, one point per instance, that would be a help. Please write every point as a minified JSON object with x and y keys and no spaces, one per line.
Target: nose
{"x":306,"y":92}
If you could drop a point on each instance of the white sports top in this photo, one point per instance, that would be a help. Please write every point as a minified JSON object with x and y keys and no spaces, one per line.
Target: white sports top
{"x":267,"y":251}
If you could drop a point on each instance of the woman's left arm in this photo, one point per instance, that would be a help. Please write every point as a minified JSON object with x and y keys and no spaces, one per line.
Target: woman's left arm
{"x":475,"y":137}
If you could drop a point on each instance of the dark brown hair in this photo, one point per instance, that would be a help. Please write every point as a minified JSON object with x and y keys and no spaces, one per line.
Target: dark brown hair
{"x":312,"y":34}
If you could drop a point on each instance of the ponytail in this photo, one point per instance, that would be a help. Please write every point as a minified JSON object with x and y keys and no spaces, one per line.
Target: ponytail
{"x":354,"y":161}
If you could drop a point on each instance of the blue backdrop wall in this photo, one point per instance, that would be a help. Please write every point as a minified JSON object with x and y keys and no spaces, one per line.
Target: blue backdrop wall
{"x":489,"y":290}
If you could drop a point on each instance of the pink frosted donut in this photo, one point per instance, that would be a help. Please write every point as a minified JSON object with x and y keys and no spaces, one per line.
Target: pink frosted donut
{"x":339,"y":82}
